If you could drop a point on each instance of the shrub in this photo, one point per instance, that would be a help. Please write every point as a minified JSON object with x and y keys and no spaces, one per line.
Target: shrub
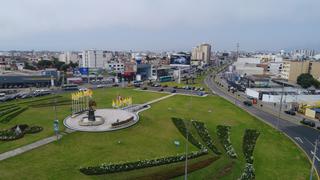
{"x":10,"y":134}
{"x":249,"y":141}
{"x":183,"y":130}
{"x":127,"y":166}
{"x":224,"y":137}
{"x":33,"y":130}
{"x":248,"y":173}
{"x":9,"y":110}
{"x":205,"y":136}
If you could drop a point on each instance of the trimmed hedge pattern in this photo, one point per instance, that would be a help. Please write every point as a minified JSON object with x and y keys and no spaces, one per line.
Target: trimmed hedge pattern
{"x":205,"y":136}
{"x":183,"y":130}
{"x":224,"y":137}
{"x":6,"y":118}
{"x":127,"y":166}
{"x":249,"y":141}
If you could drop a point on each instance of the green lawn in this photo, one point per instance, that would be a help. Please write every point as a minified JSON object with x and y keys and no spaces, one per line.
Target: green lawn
{"x":275,"y":156}
{"x":44,"y":116}
{"x":198,"y":82}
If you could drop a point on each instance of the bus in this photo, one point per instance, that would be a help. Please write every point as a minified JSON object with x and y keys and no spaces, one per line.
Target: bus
{"x":165,"y":78}
{"x":70,"y":87}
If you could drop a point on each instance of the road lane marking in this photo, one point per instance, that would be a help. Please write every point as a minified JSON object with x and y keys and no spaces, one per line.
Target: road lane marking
{"x":315,"y":156}
{"x":299,"y":139}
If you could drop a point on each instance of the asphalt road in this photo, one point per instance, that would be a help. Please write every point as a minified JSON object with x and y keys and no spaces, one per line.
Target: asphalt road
{"x":304,"y":136}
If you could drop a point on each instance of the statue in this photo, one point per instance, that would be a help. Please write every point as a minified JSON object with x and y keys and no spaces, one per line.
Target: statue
{"x":91,"y":116}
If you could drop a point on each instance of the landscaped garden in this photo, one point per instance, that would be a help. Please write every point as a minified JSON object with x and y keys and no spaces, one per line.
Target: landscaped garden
{"x":213,"y":125}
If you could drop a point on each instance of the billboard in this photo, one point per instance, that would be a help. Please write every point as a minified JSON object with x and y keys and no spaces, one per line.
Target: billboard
{"x":180,"y":59}
{"x":84,"y":71}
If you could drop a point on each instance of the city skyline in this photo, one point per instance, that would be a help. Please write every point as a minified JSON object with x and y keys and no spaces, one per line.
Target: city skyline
{"x":158,"y":25}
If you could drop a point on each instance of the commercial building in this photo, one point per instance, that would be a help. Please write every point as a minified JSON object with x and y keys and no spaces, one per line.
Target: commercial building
{"x":202,"y":53}
{"x":117,"y":67}
{"x":68,"y":57}
{"x":95,"y":58}
{"x":292,"y":69}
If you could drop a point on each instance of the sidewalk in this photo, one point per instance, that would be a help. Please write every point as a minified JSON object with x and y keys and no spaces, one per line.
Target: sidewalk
{"x":28,"y":147}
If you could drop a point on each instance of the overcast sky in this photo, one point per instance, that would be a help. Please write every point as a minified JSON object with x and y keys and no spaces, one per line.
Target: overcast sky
{"x":158,"y":25}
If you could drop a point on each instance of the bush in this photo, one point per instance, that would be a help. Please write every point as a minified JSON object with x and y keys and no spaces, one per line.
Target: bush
{"x":127,"y":166}
{"x":249,"y":141}
{"x":33,"y":130}
{"x":248,"y":173}
{"x":224,"y":137}
{"x":11,"y":115}
{"x":10,"y":134}
{"x":183,"y":130}
{"x":205,"y":136}
{"x":9,"y":110}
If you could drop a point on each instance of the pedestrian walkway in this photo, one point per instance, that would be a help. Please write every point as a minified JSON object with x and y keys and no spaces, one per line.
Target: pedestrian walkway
{"x":28,"y":147}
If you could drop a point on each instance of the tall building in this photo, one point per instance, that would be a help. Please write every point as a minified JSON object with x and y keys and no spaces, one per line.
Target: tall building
{"x":68,"y":57}
{"x":292,"y":69}
{"x":202,"y":53}
{"x":95,"y":58}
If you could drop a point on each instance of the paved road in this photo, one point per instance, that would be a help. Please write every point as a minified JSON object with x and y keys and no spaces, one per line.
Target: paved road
{"x":304,"y":136}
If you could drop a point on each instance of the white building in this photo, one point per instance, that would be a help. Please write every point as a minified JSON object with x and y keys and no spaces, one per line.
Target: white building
{"x":202,"y":53}
{"x":95,"y":58}
{"x":117,"y":67}
{"x":248,"y":66}
{"x":68,"y":57}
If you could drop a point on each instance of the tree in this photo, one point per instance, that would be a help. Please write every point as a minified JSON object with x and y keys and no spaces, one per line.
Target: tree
{"x":305,"y":80}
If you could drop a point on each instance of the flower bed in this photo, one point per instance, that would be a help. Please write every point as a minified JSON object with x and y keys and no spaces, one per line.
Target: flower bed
{"x":11,"y":134}
{"x":205,"y":136}
{"x":127,"y":166}
{"x":183,"y":130}
{"x":249,"y":141}
{"x":248,"y":173}
{"x":224,"y":137}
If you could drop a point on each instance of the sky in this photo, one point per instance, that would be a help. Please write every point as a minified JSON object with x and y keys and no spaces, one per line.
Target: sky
{"x":159,"y":25}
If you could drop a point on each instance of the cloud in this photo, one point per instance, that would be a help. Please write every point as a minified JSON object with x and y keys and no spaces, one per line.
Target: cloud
{"x":20,"y":19}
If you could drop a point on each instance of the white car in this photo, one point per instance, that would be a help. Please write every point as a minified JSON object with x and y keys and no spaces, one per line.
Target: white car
{"x":101,"y":85}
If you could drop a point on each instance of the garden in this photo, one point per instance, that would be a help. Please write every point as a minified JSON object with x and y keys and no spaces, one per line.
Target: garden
{"x":148,"y":149}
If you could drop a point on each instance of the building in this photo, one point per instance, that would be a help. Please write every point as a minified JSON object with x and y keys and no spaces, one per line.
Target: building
{"x":68,"y":57}
{"x":292,"y":69}
{"x":202,"y":53}
{"x":95,"y":58}
{"x":117,"y":67}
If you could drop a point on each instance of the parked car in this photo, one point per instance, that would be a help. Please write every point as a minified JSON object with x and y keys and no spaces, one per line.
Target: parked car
{"x":308,"y":123}
{"x":247,"y":103}
{"x":173,"y":91}
{"x":290,"y":112}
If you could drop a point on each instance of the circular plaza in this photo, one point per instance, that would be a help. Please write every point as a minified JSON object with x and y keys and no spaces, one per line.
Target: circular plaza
{"x":109,"y":120}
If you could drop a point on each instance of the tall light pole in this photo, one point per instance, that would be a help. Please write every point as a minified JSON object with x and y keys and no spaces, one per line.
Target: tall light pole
{"x":314,"y":157}
{"x":280,"y":107}
{"x":186,"y":162}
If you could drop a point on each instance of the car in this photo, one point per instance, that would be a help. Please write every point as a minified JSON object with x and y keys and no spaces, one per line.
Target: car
{"x":144,"y":88}
{"x":115,"y":85}
{"x":173,"y":91}
{"x":290,"y":112}
{"x":156,"y":85}
{"x":247,"y":103}
{"x":83,"y":89}
{"x":101,"y":85}
{"x":175,"y":87}
{"x":161,"y":89}
{"x":308,"y":123}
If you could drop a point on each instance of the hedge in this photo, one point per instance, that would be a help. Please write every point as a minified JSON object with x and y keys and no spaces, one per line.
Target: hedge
{"x":249,"y":141}
{"x":205,"y":136}
{"x":8,"y":117}
{"x":9,"y":110}
{"x":127,"y":166}
{"x":248,"y":173}
{"x":224,"y":137}
{"x":183,"y":130}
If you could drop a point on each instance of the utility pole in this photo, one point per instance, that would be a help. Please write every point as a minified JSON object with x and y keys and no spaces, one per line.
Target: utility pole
{"x":314,"y":157}
{"x":238,"y":46}
{"x":280,"y":107}
{"x":186,"y":163}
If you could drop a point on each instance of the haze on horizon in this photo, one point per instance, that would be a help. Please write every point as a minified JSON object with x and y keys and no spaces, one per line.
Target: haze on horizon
{"x":158,"y":25}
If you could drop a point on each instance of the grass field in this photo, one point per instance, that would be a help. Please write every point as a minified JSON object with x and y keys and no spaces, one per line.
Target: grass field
{"x":275,"y":156}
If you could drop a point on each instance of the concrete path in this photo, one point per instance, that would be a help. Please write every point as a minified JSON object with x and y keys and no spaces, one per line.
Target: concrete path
{"x":28,"y":147}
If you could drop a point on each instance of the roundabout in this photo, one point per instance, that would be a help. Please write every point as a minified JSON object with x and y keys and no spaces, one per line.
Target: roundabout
{"x":109,"y":120}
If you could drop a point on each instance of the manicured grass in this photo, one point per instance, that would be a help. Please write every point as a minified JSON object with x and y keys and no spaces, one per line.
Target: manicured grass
{"x":275,"y":156}
{"x":44,"y":116}
{"x":198,"y":82}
